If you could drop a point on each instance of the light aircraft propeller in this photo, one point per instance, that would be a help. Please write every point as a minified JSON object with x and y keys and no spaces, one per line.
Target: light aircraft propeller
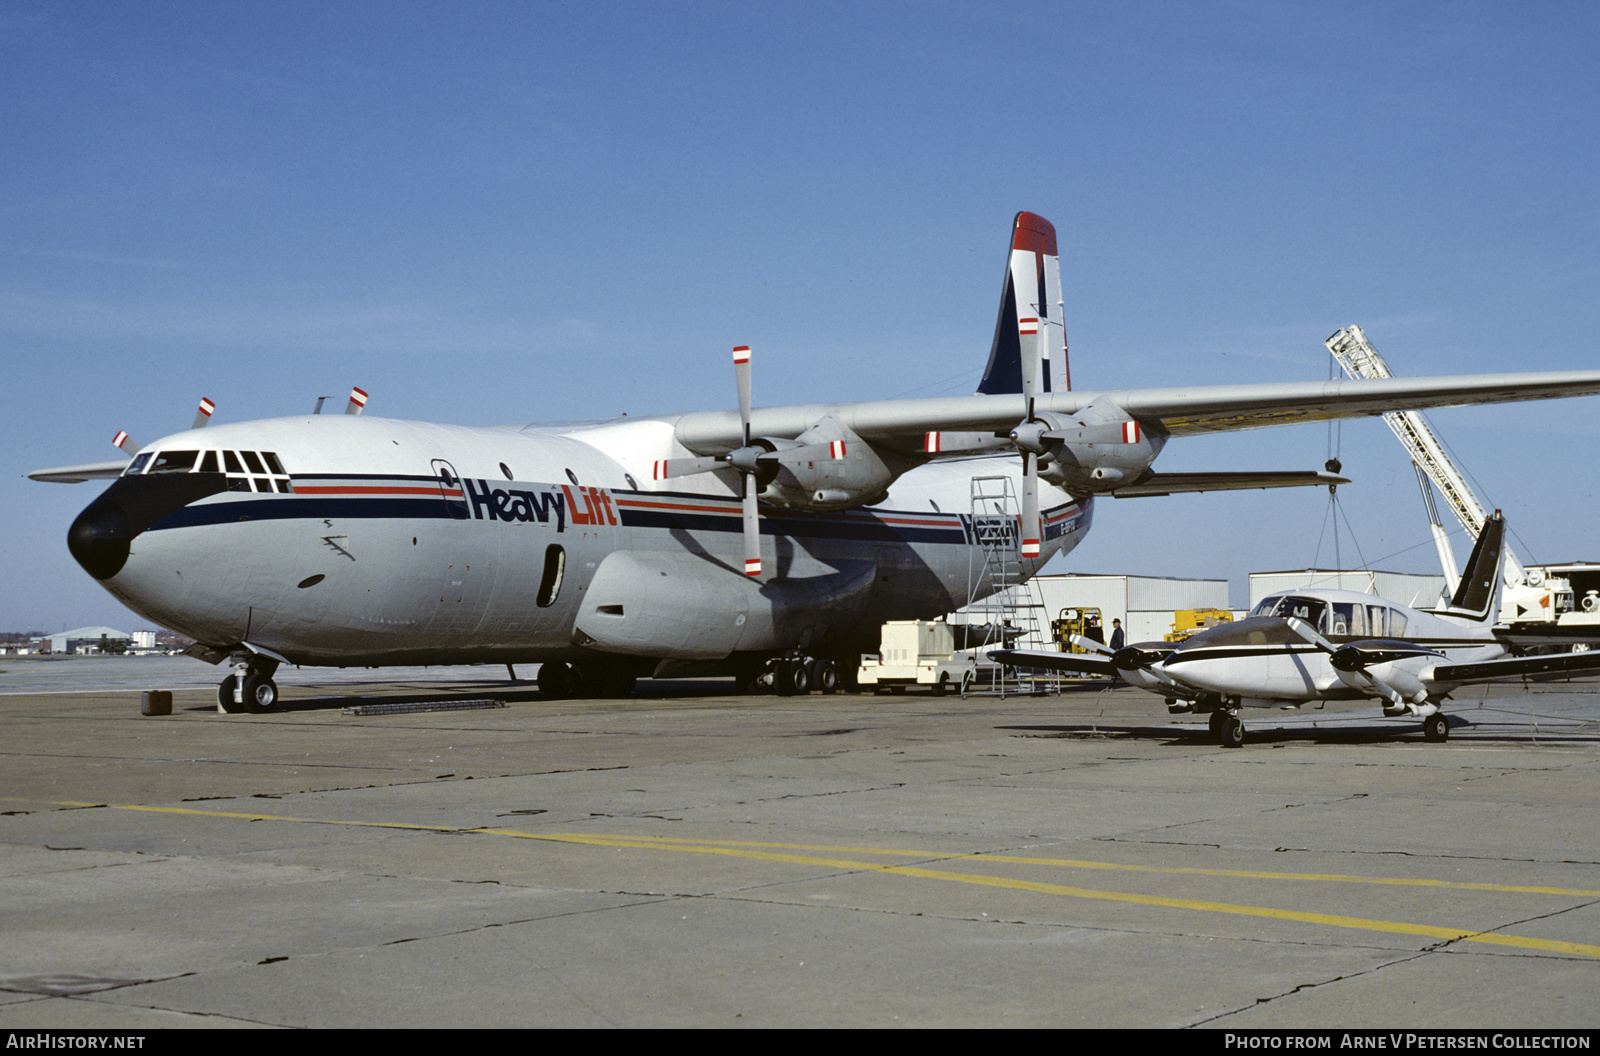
{"x":1351,"y":662}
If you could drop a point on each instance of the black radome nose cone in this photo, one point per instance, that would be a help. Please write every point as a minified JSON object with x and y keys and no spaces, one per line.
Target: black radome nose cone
{"x":99,"y":539}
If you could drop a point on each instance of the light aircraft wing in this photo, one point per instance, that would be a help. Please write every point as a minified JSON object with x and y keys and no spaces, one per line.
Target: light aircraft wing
{"x":1085,"y":662}
{"x":79,"y":474}
{"x":904,"y":424}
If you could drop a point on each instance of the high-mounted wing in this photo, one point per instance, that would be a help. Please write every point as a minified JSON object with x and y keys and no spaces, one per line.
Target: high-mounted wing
{"x":903,"y":425}
{"x":79,"y":474}
{"x":1175,"y":483}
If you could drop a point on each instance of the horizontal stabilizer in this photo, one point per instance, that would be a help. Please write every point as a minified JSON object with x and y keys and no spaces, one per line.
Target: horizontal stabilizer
{"x":1518,"y":666}
{"x":1174,"y":483}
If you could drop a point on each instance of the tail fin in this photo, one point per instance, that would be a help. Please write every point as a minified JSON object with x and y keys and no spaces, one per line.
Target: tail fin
{"x":1030,"y":320}
{"x":1477,"y":596}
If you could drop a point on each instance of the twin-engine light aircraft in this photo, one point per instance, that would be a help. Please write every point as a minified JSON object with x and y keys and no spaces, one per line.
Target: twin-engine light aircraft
{"x":1304,"y":646}
{"x":774,"y":539}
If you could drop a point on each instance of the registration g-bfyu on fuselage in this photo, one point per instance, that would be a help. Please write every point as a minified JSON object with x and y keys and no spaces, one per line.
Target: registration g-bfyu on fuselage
{"x":771,"y":539}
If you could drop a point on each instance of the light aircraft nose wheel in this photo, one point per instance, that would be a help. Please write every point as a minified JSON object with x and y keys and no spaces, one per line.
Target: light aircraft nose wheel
{"x":1436,"y":728}
{"x":1218,"y":717}
{"x":1231,"y":732}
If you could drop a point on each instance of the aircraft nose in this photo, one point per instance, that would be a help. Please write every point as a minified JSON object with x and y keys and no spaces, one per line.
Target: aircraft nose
{"x":99,"y":538}
{"x":102,"y":535}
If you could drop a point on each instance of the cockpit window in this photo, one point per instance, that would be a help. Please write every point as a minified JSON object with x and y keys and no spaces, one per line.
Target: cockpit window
{"x":1311,"y":610}
{"x":208,"y":462}
{"x":174,"y":462}
{"x":138,"y":463}
{"x":230,"y":462}
{"x":252,"y":462}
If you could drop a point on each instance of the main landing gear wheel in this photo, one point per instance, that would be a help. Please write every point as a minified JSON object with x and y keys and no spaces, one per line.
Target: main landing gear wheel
{"x":1231,"y":733}
{"x":1436,"y":728}
{"x":225,"y":695}
{"x":260,"y":694}
{"x":555,"y":680}
{"x":827,"y":679}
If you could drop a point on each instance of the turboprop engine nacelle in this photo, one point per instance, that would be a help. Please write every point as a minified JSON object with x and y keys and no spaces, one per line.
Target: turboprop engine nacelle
{"x":846,"y":471}
{"x":1099,"y":449}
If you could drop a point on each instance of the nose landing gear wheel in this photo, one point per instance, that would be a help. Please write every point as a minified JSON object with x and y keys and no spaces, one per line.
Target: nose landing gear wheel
{"x":260,"y":694}
{"x":1231,"y":733}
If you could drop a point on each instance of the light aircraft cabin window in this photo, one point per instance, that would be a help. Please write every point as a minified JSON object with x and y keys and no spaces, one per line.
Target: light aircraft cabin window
{"x":1377,"y":622}
{"x":1349,"y":618}
{"x":174,"y":462}
{"x":555,"y":564}
{"x":138,"y":464}
{"x":1397,"y":623}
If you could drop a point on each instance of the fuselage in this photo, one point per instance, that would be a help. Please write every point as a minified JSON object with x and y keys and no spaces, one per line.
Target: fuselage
{"x":346,"y":540}
{"x":1262,"y":658}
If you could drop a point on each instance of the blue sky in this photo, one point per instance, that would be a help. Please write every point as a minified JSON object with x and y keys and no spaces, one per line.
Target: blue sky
{"x":491,"y":213}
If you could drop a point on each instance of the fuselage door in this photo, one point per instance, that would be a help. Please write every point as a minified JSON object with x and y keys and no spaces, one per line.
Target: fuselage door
{"x":450,"y":489}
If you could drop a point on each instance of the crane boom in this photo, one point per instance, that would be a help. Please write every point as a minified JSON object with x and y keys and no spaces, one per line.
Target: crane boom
{"x":1360,"y":360}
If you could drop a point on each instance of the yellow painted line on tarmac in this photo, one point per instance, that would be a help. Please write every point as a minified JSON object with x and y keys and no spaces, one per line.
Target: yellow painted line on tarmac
{"x":774,"y":852}
{"x":1072,"y":863}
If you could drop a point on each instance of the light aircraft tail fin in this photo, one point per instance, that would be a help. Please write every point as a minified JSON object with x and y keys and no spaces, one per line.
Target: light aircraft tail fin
{"x":1030,"y":321}
{"x":1477,"y":596}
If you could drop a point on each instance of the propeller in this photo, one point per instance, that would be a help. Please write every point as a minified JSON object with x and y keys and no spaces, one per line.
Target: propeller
{"x":1032,"y":531}
{"x":1353,"y":661}
{"x":1129,"y":657}
{"x":750,"y":459}
{"x":130,"y":447}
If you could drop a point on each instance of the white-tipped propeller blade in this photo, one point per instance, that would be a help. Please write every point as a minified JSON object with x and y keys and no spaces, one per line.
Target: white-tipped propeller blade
{"x":741,"y":378}
{"x":752,"y":528}
{"x":747,"y":465}
{"x":1032,"y":530}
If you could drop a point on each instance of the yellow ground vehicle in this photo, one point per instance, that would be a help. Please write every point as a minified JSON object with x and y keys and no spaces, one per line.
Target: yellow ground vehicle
{"x":1187,"y":622}
{"x":1085,"y":622}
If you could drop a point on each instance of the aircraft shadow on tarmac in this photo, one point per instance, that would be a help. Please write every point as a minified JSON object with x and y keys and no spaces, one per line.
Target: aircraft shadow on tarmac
{"x":351,"y":694}
{"x":1347,"y":732}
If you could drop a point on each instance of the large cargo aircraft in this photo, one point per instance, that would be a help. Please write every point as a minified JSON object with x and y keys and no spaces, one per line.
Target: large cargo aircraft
{"x":776,"y":538}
